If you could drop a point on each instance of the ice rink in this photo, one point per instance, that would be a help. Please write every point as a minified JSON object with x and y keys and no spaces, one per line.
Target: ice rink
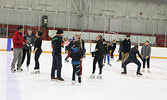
{"x":113,"y":86}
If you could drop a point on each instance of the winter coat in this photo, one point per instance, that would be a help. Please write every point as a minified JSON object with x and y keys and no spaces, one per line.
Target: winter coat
{"x":76,"y":55}
{"x":126,"y":45}
{"x":100,"y":47}
{"x":17,"y":40}
{"x":146,"y":51}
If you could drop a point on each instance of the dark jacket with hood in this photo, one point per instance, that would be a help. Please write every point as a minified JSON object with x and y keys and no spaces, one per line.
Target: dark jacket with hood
{"x":76,"y":55}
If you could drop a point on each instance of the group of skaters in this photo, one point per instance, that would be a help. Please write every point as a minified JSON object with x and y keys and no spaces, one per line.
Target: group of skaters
{"x":75,"y":49}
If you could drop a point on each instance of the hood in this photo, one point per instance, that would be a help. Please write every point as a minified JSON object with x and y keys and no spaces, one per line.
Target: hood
{"x":75,"y":50}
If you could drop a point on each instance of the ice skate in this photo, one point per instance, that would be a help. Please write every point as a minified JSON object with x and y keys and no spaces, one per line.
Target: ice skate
{"x":143,"y":70}
{"x":139,"y":74}
{"x":92,"y":76}
{"x":148,"y":70}
{"x":109,"y":64}
{"x":66,"y":60}
{"x":53,"y":78}
{"x":27,"y":68}
{"x":36,"y":71}
{"x":19,"y":70}
{"x":79,"y":84}
{"x":99,"y":76}
{"x":73,"y":83}
{"x":124,"y":73}
{"x":13,"y":70}
{"x":60,"y":79}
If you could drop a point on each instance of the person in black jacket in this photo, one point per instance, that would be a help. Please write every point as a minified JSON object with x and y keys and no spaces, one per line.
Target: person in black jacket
{"x":29,"y":38}
{"x":126,"y":45}
{"x":76,"y":55}
{"x":98,"y":57}
{"x":120,"y":50}
{"x":132,"y":59}
{"x":57,"y":43}
{"x":37,"y":51}
{"x":113,"y":49}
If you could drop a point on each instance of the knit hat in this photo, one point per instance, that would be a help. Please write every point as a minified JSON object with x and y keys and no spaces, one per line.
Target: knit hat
{"x":40,"y":33}
{"x":59,"y":31}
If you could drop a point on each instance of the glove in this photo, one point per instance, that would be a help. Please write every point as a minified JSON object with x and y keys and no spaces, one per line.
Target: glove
{"x":142,"y":56}
{"x":146,"y":57}
{"x":93,"y":54}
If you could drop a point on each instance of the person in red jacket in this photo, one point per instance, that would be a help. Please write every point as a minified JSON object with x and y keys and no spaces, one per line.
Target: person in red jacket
{"x":18,"y":42}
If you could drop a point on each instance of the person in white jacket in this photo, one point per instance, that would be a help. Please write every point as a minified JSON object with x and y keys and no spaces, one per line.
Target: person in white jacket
{"x":146,"y":52}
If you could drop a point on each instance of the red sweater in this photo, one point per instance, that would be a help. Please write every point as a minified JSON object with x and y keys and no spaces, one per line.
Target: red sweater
{"x":17,"y":40}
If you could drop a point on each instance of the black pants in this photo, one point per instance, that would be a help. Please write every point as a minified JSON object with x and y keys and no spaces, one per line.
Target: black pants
{"x":100,"y":61}
{"x":56,"y":65}
{"x":132,"y":60}
{"x":28,"y":52}
{"x":76,"y":70}
{"x":37,"y":55}
{"x":148,"y":62}
{"x":66,"y":48}
{"x":112,"y":53}
{"x":120,"y":55}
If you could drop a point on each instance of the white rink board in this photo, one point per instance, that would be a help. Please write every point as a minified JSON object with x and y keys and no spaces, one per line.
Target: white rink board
{"x":46,"y":46}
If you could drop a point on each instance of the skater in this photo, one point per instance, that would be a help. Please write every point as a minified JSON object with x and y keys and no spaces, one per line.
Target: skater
{"x":133,"y":59}
{"x":29,"y":38}
{"x":107,"y":54}
{"x":126,"y":45}
{"x":66,"y":44}
{"x":68,"y":49}
{"x":76,"y":55}
{"x":82,"y":46}
{"x":120,"y":50}
{"x":104,"y":50}
{"x":37,"y":51}
{"x":98,"y":57}
{"x":113,"y":49}
{"x":18,"y":43}
{"x":145,"y":52}
{"x":57,"y":43}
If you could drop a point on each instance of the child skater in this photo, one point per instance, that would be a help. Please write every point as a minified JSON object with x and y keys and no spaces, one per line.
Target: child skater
{"x":68,"y":49}
{"x":37,"y":51}
{"x":107,"y":55}
{"x":66,"y":44}
{"x":98,"y":57}
{"x":145,"y":52}
{"x":76,"y":55}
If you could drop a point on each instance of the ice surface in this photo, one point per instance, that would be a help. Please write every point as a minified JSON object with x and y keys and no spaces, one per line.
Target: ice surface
{"x":113,"y":86}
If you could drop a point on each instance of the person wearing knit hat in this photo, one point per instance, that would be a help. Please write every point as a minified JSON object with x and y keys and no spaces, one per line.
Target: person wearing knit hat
{"x":59,"y":31}
{"x":57,"y":43}
{"x":37,"y":51}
